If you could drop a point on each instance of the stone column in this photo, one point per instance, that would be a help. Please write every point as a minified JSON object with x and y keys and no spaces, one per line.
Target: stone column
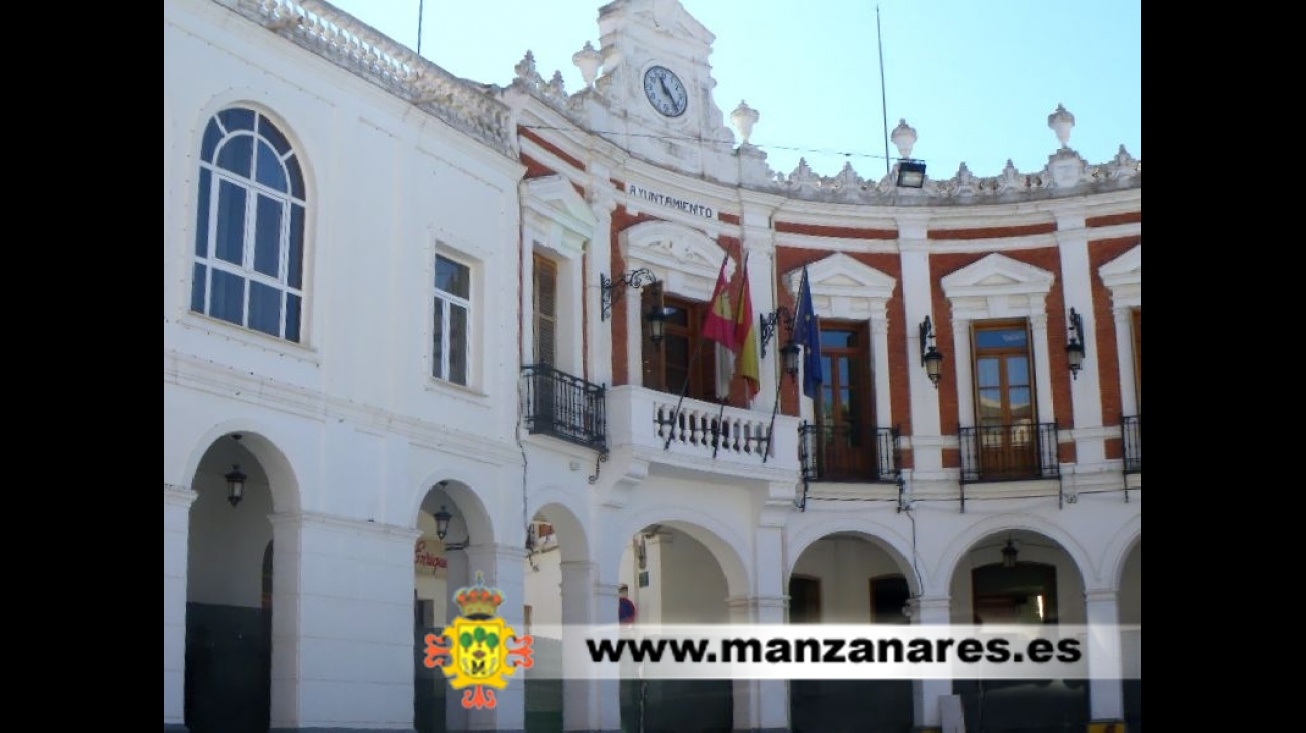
{"x":1105,"y":689}
{"x":176,"y":535}
{"x":342,"y":623}
{"x":580,"y":701}
{"x":608,"y":691}
{"x":928,"y":694}
{"x":761,"y":706}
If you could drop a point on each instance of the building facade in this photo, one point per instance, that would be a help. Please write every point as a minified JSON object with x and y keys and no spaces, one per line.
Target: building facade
{"x":392,"y":297}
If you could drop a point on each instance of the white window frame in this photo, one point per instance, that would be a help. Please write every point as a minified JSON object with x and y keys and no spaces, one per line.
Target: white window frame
{"x":441,"y":371}
{"x":848,"y":290}
{"x":557,"y":224}
{"x":998,"y":287}
{"x":252,"y":190}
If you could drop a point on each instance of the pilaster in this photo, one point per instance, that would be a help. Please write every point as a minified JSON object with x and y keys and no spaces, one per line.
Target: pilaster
{"x":1124,"y":358}
{"x":759,"y":243}
{"x":1038,"y":326}
{"x":598,"y":260}
{"x":918,"y":302}
{"x":1077,"y":289}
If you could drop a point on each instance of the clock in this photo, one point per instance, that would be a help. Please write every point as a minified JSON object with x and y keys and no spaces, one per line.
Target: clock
{"x":665,"y":91}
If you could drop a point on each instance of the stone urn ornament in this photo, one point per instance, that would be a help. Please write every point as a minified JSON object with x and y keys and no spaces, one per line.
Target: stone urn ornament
{"x":588,"y":61}
{"x":904,"y":138}
{"x":1061,"y":123}
{"x":744,"y":117}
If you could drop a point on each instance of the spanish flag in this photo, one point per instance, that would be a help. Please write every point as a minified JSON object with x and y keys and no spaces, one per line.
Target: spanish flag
{"x":719,"y":324}
{"x":746,"y":337}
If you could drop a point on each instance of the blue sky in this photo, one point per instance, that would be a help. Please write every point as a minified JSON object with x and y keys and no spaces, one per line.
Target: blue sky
{"x":977,"y":79}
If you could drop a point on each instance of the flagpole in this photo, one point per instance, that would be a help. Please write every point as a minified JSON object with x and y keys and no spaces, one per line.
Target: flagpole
{"x":737,"y":303}
{"x":781,"y":379}
{"x":774,"y":409}
{"x":693,"y":359}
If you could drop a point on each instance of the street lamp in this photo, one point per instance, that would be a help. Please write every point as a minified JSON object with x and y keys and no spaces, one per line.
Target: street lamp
{"x":931,"y":359}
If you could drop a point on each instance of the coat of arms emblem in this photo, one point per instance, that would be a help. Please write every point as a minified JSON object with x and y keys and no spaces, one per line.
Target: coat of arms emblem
{"x":478,"y":650}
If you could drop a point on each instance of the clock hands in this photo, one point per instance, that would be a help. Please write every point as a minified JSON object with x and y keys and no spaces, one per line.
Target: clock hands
{"x":667,"y":94}
{"x":671,"y":96}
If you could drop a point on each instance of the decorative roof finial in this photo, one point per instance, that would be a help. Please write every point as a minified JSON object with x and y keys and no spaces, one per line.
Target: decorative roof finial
{"x":904,"y":138}
{"x":1061,"y":123}
{"x":744,"y":118}
{"x":588,"y":61}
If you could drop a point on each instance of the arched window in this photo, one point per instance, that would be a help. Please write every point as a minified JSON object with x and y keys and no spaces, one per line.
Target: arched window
{"x":249,"y":233}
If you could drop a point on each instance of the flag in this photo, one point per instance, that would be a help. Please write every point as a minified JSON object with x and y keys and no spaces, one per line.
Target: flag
{"x":746,"y":338}
{"x":719,"y":325}
{"x":807,"y":331}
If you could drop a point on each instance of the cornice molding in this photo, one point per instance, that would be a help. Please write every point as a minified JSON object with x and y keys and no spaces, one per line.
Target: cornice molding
{"x":228,"y":383}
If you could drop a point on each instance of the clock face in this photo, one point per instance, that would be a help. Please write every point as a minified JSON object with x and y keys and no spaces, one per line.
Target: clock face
{"x":665,"y":91}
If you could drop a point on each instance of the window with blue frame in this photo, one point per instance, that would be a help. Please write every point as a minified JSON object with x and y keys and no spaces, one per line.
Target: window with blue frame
{"x":249,"y":233}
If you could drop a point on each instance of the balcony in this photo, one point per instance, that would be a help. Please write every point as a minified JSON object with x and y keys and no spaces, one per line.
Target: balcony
{"x":848,"y":453}
{"x":1131,"y":433}
{"x":1019,"y":452}
{"x":565,"y":407}
{"x":701,"y":439}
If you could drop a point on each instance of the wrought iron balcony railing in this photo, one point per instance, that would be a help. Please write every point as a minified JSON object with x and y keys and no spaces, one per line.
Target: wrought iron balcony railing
{"x":1019,"y":452}
{"x":854,"y":453}
{"x":1131,"y":432}
{"x":565,"y":407}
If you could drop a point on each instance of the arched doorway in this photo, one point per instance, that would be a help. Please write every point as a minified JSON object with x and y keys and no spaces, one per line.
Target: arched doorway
{"x":1020,"y":577}
{"x":451,"y":519}
{"x":673,"y":578}
{"x":229,"y":593}
{"x":558,"y":583}
{"x":847,"y":578}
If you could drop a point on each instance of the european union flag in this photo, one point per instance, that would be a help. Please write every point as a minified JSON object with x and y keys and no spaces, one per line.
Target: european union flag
{"x":807,"y":331}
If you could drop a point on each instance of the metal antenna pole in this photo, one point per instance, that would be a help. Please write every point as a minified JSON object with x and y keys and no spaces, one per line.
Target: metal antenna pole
{"x":884,"y":105}
{"x":421,"y":3}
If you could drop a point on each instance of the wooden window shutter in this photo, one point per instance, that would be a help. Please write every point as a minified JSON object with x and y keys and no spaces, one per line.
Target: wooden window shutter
{"x":546,"y":310}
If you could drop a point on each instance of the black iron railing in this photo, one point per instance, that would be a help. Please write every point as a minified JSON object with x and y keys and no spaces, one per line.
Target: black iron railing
{"x":848,"y":452}
{"x":565,"y":407}
{"x":1131,"y":432}
{"x":1017,"y":452}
